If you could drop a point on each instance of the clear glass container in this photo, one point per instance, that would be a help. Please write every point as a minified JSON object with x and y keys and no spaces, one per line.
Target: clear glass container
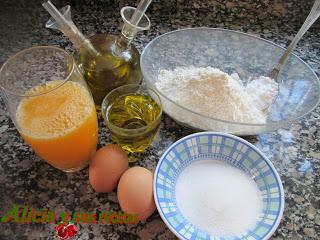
{"x":119,"y":60}
{"x":135,"y":120}
{"x":51,"y":106}
{"x":232,"y":52}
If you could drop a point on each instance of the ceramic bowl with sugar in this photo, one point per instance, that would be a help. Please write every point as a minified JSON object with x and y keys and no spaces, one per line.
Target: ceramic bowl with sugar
{"x":233,"y":151}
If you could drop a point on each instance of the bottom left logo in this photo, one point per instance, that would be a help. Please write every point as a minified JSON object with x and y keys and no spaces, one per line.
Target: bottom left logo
{"x":65,"y":231}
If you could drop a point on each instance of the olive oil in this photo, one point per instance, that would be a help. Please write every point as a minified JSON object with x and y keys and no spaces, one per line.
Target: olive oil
{"x":118,"y":64}
{"x":133,"y":121}
{"x":107,"y":61}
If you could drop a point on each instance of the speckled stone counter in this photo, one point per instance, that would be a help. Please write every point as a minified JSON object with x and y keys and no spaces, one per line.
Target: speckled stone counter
{"x":27,"y":180}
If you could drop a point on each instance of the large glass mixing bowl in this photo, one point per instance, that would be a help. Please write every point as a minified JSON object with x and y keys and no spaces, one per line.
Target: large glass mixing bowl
{"x":232,"y":51}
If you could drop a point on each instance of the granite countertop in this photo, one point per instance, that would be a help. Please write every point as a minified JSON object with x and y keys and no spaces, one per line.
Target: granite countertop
{"x":27,"y":180}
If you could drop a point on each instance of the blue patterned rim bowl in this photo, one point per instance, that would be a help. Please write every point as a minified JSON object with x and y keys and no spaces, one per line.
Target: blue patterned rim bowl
{"x":232,"y":150}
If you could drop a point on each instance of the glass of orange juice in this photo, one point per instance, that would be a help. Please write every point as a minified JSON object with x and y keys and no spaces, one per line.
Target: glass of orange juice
{"x":51,"y":106}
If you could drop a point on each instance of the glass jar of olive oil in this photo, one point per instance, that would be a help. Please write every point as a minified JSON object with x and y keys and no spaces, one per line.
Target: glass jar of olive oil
{"x":133,"y":114}
{"x":118,"y":62}
{"x":109,"y":71}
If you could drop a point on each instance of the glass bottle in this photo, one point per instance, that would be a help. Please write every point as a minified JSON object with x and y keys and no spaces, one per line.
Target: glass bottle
{"x":115,"y":61}
{"x":119,"y":62}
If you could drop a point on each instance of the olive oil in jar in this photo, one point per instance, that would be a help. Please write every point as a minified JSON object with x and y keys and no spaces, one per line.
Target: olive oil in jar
{"x":107,"y":61}
{"x":116,"y":66}
{"x":133,"y":121}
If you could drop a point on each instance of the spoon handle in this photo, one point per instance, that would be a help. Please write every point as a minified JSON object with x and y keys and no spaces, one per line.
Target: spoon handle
{"x":312,"y":17}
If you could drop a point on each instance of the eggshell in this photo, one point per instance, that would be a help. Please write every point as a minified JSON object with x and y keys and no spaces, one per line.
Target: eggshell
{"x":106,"y":168}
{"x":135,"y":192}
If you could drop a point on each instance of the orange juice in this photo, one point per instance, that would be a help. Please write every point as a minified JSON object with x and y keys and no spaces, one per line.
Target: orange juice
{"x":61,"y":126}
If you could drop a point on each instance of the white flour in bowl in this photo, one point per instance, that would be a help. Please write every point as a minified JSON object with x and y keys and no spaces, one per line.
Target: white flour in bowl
{"x":214,"y":93}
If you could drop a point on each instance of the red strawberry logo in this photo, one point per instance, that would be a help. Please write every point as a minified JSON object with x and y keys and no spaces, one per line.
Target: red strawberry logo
{"x":64,"y":231}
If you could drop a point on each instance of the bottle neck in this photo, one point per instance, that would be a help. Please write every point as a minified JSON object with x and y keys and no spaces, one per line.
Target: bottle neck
{"x":122,"y":47}
{"x":128,"y":33}
{"x":123,"y":43}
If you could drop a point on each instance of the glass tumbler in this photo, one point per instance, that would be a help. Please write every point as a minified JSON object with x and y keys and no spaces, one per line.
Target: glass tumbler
{"x":132,"y":113}
{"x":51,"y":106}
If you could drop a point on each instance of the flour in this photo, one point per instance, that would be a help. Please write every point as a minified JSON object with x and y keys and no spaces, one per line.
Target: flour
{"x":218,"y":198}
{"x":211,"y":92}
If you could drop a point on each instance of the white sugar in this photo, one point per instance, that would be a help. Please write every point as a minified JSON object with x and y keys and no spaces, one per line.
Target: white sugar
{"x":218,"y":198}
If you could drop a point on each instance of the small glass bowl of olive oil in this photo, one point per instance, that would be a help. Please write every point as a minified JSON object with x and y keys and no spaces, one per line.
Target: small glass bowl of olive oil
{"x":133,"y":114}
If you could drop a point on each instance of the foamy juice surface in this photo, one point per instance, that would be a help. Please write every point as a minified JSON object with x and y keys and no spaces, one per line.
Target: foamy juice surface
{"x":55,"y":113}
{"x":61,"y":126}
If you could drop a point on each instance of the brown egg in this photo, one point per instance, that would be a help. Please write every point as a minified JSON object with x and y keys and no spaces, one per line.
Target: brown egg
{"x":135,"y":192}
{"x":106,"y":168}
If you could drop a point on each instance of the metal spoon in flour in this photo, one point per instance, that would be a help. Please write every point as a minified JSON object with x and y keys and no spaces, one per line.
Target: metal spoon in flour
{"x":312,"y":17}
